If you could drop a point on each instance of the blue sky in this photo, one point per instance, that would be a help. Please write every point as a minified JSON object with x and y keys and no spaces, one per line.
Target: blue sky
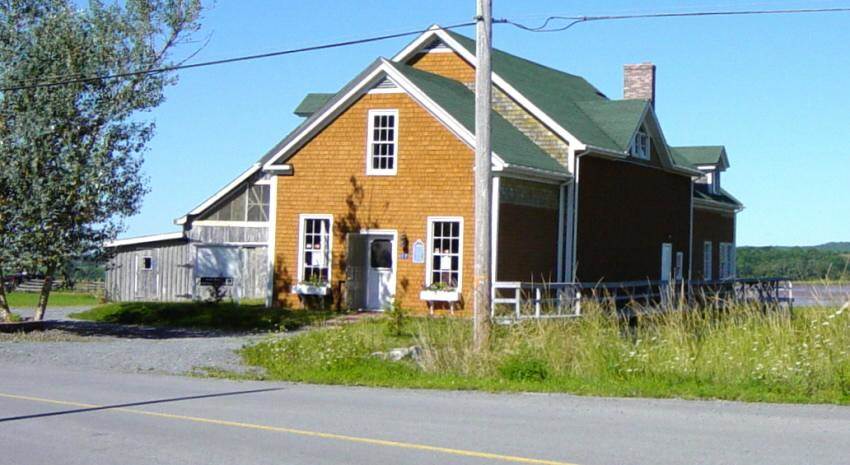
{"x":772,"y":89}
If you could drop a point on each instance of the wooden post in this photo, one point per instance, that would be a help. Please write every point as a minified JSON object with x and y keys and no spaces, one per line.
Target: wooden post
{"x":483,"y":187}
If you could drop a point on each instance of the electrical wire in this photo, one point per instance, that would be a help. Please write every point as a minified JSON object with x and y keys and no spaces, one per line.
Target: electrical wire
{"x":166,"y":69}
{"x":73,"y":79}
{"x":581,"y":19}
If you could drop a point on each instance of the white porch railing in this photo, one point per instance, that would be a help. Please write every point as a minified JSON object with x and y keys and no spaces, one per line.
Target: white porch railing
{"x":514,"y":300}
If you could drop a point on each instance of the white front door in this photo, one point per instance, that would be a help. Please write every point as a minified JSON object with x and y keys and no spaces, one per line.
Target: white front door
{"x":380,"y":282}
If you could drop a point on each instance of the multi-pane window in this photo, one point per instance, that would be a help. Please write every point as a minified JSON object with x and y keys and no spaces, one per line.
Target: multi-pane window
{"x":250,"y":203}
{"x":640,"y":146}
{"x":680,"y":265}
{"x":258,"y":203}
{"x":315,"y":249}
{"x":706,"y":260}
{"x":445,"y":252}
{"x":727,"y":260}
{"x":382,"y":142}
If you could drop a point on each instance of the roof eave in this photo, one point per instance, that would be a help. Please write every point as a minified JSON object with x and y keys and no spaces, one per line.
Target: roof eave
{"x":145,"y":239}
{"x":717,"y":206}
{"x":548,"y":176}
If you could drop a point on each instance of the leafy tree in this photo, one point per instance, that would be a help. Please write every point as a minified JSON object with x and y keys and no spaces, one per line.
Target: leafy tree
{"x":72,"y":152}
{"x":801,"y":263}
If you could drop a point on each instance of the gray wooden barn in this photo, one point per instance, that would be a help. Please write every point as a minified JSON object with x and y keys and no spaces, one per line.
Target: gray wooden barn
{"x":223,"y":244}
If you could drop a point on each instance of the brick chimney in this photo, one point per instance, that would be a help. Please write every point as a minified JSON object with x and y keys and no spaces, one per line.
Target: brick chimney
{"x":639,"y":82}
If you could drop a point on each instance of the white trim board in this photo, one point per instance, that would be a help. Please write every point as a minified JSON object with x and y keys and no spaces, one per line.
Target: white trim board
{"x":272,"y":242}
{"x":145,"y":239}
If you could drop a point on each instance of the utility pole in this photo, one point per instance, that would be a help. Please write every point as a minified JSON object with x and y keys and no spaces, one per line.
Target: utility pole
{"x":483,"y":180}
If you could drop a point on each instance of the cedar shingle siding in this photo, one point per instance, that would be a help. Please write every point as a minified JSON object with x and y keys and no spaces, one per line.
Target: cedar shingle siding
{"x":434,"y":179}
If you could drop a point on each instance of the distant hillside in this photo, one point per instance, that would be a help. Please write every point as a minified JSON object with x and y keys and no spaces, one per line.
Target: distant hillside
{"x":827,"y":261}
{"x":840,"y":247}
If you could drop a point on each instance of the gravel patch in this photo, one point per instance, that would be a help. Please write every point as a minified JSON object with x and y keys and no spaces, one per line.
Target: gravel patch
{"x":125,"y":348}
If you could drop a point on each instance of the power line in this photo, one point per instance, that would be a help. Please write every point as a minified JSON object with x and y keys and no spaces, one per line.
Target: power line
{"x":581,"y":19}
{"x":73,"y":79}
{"x":167,"y":69}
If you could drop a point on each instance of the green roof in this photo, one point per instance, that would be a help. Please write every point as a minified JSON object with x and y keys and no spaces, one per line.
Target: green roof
{"x":570,"y":100}
{"x":701,"y":192}
{"x":508,"y":142}
{"x":699,"y":154}
{"x":311,"y":104}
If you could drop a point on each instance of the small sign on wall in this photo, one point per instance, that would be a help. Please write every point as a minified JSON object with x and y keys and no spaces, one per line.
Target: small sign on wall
{"x":418,"y":251}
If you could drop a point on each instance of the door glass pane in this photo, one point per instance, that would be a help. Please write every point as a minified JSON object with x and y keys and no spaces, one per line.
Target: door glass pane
{"x":381,"y":253}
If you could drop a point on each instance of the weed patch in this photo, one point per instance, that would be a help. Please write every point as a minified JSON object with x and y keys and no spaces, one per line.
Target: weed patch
{"x":735,"y":353}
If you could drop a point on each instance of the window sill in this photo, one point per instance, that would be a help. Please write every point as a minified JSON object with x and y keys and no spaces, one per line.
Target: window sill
{"x":309,"y":289}
{"x":381,"y":173}
{"x":439,"y":296}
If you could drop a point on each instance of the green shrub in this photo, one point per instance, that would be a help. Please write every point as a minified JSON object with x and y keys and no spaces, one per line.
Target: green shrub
{"x":524,"y":368}
{"x":396,"y":317}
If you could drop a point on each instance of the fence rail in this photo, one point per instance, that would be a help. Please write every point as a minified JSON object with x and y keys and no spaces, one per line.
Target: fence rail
{"x":514,"y":300}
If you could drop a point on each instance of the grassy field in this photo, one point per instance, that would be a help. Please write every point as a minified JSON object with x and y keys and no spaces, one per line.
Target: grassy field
{"x":57,"y":299}
{"x":737,"y":354}
{"x":201,"y":315}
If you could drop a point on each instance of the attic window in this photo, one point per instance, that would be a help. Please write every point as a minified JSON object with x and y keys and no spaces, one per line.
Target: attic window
{"x":385,"y":86}
{"x":249,"y":204}
{"x":437,"y":46}
{"x":711,"y":179}
{"x":382,"y":143}
{"x":640,"y":147}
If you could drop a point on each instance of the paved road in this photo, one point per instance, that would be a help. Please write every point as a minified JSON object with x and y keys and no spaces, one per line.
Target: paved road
{"x":152,"y":419}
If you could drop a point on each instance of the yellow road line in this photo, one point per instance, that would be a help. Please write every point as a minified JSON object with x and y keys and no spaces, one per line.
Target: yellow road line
{"x":301,"y":432}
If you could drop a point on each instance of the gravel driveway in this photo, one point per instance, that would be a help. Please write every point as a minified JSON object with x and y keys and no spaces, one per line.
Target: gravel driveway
{"x":123,"y":348}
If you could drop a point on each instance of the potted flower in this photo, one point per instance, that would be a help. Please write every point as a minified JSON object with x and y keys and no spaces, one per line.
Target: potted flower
{"x":314,"y":285}
{"x":439,"y":292}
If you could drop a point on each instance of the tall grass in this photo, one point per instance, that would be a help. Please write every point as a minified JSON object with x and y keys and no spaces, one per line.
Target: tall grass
{"x":731,"y":352}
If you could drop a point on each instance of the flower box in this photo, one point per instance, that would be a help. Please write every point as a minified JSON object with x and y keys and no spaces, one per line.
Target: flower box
{"x":312,"y":289}
{"x":439,"y":296}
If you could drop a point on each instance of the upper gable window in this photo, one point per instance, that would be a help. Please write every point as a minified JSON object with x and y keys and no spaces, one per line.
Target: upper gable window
{"x":382,"y":144}
{"x":640,"y":145}
{"x":711,"y":179}
{"x":248,"y":204}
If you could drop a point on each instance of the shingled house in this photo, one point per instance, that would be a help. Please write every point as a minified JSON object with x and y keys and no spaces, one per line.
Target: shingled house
{"x":371,"y":196}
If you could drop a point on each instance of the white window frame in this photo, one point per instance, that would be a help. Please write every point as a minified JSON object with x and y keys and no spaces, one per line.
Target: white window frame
{"x":637,"y":150}
{"x":302,"y":219}
{"x":370,"y":140}
{"x":679,"y":270}
{"x":727,"y":260}
{"x":707,"y":258}
{"x":144,"y":259}
{"x":429,"y":249}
